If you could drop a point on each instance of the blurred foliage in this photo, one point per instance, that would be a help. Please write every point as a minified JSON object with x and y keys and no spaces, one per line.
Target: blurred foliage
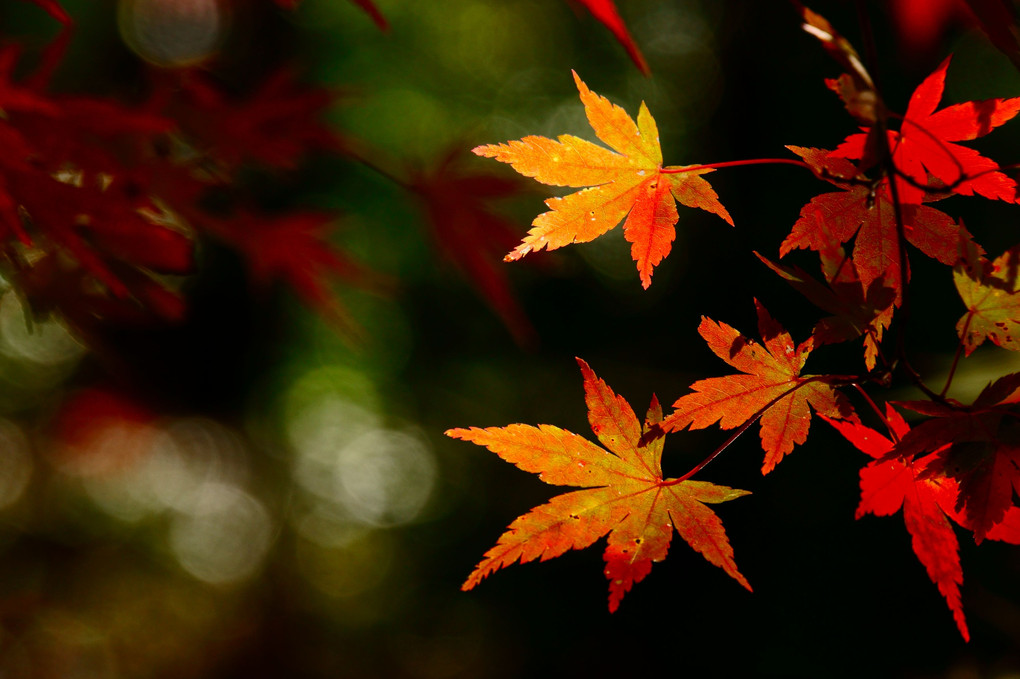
{"x":263,"y":498}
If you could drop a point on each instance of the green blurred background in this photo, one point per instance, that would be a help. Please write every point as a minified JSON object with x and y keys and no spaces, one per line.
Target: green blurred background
{"x":294,"y":510}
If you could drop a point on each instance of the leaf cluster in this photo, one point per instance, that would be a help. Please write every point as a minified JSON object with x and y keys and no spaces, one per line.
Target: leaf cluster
{"x":959,"y":465}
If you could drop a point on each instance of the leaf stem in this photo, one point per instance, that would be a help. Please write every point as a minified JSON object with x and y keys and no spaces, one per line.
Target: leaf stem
{"x":845,"y":379}
{"x":361,"y":155}
{"x":726,"y":444}
{"x":735,"y":163}
{"x":892,"y":433}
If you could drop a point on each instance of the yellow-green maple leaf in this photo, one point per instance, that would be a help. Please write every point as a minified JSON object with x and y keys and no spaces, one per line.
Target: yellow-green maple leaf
{"x":991,"y":292}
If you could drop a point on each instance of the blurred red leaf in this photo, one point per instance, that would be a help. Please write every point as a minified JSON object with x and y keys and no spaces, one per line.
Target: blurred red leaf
{"x":276,"y":125}
{"x":471,"y":236}
{"x":605,"y":11}
{"x":293,"y":248}
{"x":54,"y":9}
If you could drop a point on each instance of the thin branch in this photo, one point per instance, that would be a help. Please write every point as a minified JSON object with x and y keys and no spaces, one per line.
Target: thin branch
{"x":915,"y":377}
{"x":956,"y":356}
{"x":361,"y":156}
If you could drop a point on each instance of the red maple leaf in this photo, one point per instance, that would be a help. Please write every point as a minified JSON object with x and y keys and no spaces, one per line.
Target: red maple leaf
{"x":979,"y":446}
{"x":855,"y":310}
{"x":293,"y":248}
{"x":869,"y":216}
{"x":890,"y":484}
{"x":926,"y":144}
{"x":472,"y":236}
{"x":64,"y":193}
{"x":624,"y":496}
{"x":276,"y":125}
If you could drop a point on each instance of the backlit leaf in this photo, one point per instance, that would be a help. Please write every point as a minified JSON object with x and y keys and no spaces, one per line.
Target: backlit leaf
{"x":628,"y":181}
{"x":625,"y":495}
{"x":770,"y":385}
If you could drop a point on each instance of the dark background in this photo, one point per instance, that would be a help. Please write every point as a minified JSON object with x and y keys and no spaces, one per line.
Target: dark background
{"x":97,"y":585}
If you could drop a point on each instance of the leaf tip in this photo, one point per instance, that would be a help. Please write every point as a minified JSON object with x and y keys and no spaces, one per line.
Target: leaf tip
{"x":517,"y":252}
{"x":581,"y":86}
{"x":477,"y":575}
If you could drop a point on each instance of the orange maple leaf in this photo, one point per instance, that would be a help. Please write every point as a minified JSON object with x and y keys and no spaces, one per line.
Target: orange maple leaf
{"x":625,"y":495}
{"x":770,"y":386}
{"x":628,"y":181}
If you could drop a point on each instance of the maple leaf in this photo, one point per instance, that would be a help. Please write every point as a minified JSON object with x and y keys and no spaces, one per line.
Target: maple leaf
{"x":991,"y":292}
{"x":605,"y":11}
{"x":54,"y":282}
{"x":471,"y":235}
{"x":628,"y":181}
{"x":90,"y":137}
{"x":625,"y":495}
{"x":890,"y":484}
{"x":855,"y":310}
{"x":870,"y":216}
{"x":17,"y":96}
{"x":926,"y":144}
{"x":979,"y":446}
{"x":770,"y":386}
{"x":276,"y":125}
{"x":293,"y":248}
{"x":855,"y":87}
